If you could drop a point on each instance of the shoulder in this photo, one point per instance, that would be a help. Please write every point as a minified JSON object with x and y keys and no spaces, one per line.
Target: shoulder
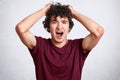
{"x":77,"y":41}
{"x":40,"y":39}
{"x":40,"y":43}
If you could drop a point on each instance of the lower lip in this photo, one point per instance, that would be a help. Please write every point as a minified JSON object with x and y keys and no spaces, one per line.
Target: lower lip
{"x":59,"y":36}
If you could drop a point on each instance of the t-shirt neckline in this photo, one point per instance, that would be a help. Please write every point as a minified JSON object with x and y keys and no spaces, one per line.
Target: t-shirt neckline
{"x":49,"y":40}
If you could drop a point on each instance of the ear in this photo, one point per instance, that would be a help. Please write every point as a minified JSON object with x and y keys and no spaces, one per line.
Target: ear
{"x":48,"y":29}
{"x":69,"y":29}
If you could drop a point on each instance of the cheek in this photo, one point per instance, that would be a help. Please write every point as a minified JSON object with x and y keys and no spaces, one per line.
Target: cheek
{"x":67,"y":28}
{"x":52,"y":29}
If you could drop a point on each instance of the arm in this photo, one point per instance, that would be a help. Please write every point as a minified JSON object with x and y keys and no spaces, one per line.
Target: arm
{"x":23,"y":27}
{"x":96,"y":31}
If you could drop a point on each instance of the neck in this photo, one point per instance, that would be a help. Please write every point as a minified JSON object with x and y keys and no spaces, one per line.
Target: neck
{"x":59,"y":44}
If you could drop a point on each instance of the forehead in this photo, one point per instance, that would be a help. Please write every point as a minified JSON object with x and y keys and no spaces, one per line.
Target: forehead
{"x":58,"y":17}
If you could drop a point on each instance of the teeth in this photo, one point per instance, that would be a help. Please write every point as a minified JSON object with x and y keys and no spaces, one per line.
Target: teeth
{"x":59,"y":32}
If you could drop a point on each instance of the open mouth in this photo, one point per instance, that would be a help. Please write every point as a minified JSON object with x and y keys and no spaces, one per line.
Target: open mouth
{"x":59,"y":34}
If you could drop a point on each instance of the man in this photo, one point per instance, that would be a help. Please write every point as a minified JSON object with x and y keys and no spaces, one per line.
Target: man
{"x":59,"y":58}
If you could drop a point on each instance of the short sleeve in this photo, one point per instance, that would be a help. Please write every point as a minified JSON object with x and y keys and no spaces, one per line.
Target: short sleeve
{"x":82,"y":53}
{"x":36,"y":50}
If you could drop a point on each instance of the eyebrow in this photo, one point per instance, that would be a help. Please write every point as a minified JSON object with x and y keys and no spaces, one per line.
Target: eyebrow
{"x":63,"y":19}
{"x":53,"y":19}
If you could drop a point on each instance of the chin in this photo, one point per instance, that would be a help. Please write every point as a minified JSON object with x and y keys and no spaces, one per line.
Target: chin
{"x":59,"y":40}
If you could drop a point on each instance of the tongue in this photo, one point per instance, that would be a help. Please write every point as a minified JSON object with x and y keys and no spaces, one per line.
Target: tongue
{"x":59,"y":35}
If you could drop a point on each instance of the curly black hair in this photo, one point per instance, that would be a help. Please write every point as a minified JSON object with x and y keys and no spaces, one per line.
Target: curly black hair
{"x":56,"y":10}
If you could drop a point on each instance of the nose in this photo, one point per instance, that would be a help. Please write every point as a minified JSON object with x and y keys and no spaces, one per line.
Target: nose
{"x":59,"y":26}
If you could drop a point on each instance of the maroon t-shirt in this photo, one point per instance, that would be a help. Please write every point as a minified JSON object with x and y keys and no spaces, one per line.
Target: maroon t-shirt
{"x":53,"y":63}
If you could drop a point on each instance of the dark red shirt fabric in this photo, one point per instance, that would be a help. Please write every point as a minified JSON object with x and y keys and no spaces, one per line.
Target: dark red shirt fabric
{"x":53,"y":63}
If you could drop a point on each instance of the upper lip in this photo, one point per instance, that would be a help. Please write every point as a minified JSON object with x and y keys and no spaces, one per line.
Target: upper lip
{"x":59,"y":32}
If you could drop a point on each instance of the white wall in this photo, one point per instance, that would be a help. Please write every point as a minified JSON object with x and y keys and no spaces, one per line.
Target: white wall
{"x":102,"y":63}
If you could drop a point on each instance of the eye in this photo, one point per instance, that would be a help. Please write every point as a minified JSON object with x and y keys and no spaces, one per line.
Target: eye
{"x":64,"y":22}
{"x":54,"y":21}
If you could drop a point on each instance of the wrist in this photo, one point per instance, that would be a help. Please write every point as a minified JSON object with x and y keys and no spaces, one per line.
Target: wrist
{"x":43,"y":11}
{"x":74,"y":13}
